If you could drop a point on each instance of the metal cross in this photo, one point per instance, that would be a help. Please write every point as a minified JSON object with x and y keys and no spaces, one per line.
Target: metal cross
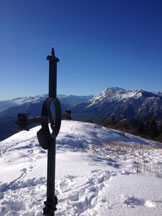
{"x":47,"y":139}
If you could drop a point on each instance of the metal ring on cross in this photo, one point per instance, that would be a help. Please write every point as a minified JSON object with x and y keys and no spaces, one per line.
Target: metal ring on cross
{"x":44,"y":135}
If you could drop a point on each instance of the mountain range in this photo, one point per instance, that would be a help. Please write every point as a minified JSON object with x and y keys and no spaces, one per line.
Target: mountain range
{"x":69,"y":100}
{"x":121,"y":104}
{"x":112,"y":102}
{"x":10,"y":108}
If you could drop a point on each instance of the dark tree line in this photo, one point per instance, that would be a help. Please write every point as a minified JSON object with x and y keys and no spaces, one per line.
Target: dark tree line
{"x":147,"y":128}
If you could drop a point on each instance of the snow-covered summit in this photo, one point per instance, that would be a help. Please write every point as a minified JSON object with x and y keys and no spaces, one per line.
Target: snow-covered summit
{"x":116,"y":94}
{"x":76,"y":134}
{"x":96,"y":173}
{"x":120,"y":103}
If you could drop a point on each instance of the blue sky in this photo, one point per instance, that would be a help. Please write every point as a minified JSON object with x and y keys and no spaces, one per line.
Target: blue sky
{"x":100,"y":44}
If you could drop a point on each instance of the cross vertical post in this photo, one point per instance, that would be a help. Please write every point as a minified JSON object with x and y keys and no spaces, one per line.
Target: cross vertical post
{"x":50,"y":204}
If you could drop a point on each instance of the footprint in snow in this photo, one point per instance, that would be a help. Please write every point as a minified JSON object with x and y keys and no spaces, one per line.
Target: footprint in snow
{"x":11,"y":207}
{"x":64,"y":184}
{"x":133,"y":202}
{"x":82,"y":193}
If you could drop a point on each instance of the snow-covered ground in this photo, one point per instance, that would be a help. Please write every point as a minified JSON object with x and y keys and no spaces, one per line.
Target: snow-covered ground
{"x":98,"y":172}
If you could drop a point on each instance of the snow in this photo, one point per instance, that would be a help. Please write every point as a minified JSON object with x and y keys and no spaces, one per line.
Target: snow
{"x":99,"y":171}
{"x":115,"y":94}
{"x":28,"y":99}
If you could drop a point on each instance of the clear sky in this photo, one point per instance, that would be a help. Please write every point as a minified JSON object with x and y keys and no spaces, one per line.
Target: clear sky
{"x":100,"y":44}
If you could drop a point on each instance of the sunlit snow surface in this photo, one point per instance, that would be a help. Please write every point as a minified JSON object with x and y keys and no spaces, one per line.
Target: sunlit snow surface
{"x":98,"y":172}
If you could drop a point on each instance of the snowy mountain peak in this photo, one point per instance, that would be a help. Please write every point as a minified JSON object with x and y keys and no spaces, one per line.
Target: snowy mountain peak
{"x":120,"y":103}
{"x":112,"y":90}
{"x":119,"y":94}
{"x":115,"y":94}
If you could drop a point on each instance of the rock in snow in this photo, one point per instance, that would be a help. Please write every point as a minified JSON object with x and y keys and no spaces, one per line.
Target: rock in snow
{"x":98,"y":172}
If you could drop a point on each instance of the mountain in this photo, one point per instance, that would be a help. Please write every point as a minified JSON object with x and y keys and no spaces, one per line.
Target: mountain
{"x":32,"y":105}
{"x":121,"y":104}
{"x":6,"y":104}
{"x":98,"y":172}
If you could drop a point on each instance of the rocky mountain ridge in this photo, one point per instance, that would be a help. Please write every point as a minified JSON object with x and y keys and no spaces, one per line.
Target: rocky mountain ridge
{"x":120,"y":103}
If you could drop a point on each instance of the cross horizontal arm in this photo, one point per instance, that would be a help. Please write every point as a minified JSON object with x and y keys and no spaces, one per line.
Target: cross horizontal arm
{"x":23,"y":121}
